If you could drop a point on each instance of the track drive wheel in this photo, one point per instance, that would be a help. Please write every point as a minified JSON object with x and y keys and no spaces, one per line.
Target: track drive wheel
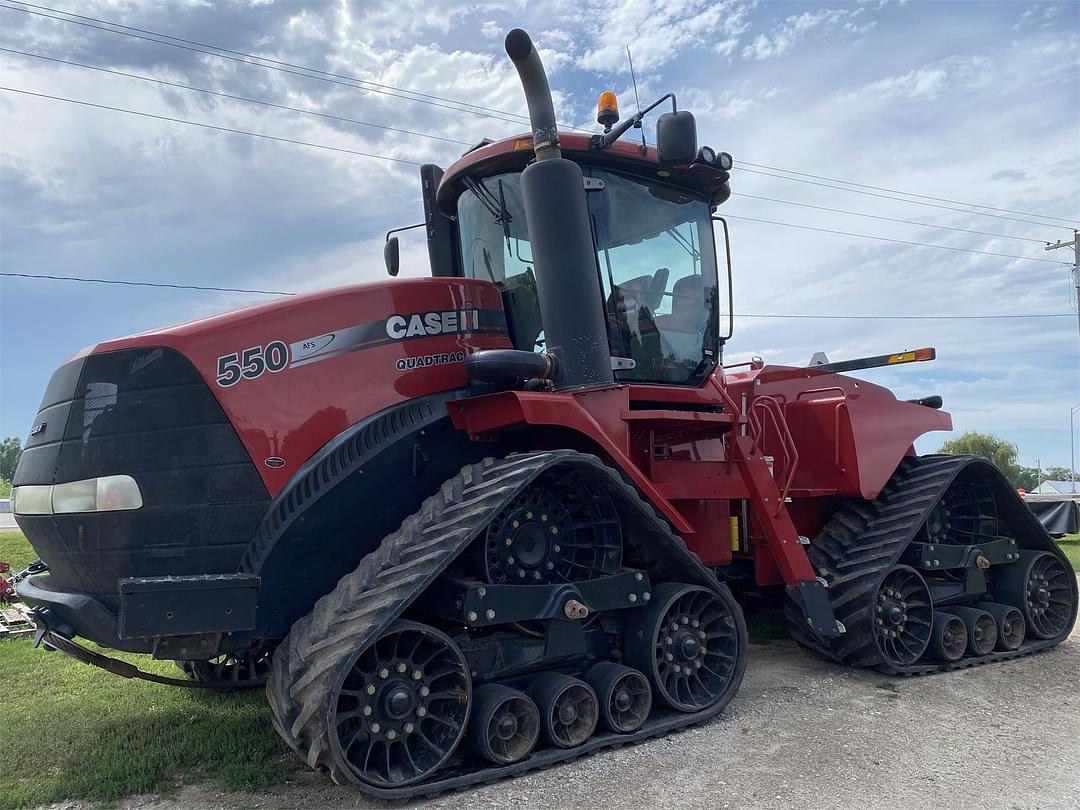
{"x":559,"y":529}
{"x":691,"y":644}
{"x":230,"y":671}
{"x":399,"y":710}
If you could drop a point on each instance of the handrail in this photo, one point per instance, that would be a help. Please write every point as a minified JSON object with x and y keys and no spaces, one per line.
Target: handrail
{"x":768,"y":405}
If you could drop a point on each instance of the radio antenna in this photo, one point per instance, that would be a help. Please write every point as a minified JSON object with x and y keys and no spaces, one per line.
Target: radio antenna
{"x":637,"y":101}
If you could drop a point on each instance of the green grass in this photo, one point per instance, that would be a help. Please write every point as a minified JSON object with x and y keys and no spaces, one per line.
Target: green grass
{"x":15,"y":550}
{"x":1070,"y":544}
{"x":72,"y":731}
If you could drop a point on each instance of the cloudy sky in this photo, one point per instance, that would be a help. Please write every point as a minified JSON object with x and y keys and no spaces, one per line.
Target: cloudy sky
{"x":971,"y":102}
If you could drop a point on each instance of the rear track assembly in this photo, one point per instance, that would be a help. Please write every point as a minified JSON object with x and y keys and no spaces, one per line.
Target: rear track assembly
{"x":883,"y":604}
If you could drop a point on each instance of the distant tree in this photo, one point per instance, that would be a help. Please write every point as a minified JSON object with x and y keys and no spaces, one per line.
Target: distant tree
{"x":10,"y":450}
{"x":1057,"y":474}
{"x":1029,"y":478}
{"x":997,"y":451}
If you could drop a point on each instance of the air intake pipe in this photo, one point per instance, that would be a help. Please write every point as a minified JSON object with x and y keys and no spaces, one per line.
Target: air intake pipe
{"x":553,"y":191}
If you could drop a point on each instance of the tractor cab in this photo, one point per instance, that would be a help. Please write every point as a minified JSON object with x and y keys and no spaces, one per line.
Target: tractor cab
{"x":654,"y":253}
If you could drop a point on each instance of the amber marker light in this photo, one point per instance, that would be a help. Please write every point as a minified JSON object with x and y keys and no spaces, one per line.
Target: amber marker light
{"x":607,"y":109}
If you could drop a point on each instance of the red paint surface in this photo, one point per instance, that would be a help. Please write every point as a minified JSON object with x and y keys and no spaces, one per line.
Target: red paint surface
{"x":293,"y":413}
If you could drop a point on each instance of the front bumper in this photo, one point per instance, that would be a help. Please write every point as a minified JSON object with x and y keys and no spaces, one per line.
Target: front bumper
{"x":76,"y":614}
{"x":170,"y":617}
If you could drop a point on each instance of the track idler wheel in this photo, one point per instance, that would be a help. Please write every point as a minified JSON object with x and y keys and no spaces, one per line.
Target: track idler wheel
{"x":903,"y":616}
{"x":1040,"y":585}
{"x":624,"y":695}
{"x":505,"y":724}
{"x":400,"y":709}
{"x":687,"y":642}
{"x":982,"y":630}
{"x":948,"y":637}
{"x":568,"y":709}
{"x":1010,"y":625}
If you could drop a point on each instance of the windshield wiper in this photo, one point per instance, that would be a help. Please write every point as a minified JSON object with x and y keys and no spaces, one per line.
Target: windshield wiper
{"x":497,"y":208}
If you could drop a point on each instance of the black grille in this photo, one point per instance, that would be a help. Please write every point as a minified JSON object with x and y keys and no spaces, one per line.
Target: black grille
{"x":146,"y":413}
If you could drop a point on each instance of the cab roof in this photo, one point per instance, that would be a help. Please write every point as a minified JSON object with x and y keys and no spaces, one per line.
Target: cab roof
{"x":515,"y":153}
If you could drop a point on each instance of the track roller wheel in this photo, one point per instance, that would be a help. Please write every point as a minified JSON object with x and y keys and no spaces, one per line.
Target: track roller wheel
{"x":689,"y":645}
{"x":244,"y":670}
{"x":1010,"y":625}
{"x":1040,"y":585}
{"x":903,"y":616}
{"x":948,"y":637}
{"x":568,"y":709}
{"x":505,"y":724}
{"x":400,"y":708}
{"x":981,"y":627}
{"x":624,"y":694}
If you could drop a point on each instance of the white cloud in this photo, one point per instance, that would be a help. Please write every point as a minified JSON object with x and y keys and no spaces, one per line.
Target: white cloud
{"x":784,"y":36}
{"x":656,"y":32}
{"x":925,"y":83}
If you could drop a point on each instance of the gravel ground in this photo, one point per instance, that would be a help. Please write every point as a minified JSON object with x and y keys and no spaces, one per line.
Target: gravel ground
{"x":803,"y":733}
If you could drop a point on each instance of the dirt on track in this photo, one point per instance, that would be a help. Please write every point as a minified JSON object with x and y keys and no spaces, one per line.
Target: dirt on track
{"x":801,"y":733}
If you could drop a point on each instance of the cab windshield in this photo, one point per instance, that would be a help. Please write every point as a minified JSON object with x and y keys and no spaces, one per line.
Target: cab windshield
{"x":655,"y":260}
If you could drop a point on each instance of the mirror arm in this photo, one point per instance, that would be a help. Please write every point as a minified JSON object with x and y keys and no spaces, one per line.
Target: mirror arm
{"x":406,"y":228}
{"x":608,"y":138}
{"x":730,"y":292}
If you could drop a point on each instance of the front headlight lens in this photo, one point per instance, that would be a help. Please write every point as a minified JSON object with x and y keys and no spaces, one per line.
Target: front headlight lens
{"x":32,"y":500}
{"x":78,"y":496}
{"x":110,"y":493}
{"x":115,"y":493}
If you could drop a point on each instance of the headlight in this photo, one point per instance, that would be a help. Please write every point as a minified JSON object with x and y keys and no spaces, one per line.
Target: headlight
{"x":31,"y":500}
{"x":110,"y":493}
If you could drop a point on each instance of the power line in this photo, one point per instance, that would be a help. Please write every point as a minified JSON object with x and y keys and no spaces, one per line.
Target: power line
{"x":267,"y":66}
{"x":234,"y":98}
{"x":900,"y":199}
{"x":465,"y":104}
{"x":887,"y":219}
{"x":465,"y":143}
{"x":898,"y":241}
{"x":911,"y":317}
{"x":737,"y":315}
{"x":144,"y":283}
{"x":906,"y":193}
{"x":447,"y":103}
{"x":216,"y":127}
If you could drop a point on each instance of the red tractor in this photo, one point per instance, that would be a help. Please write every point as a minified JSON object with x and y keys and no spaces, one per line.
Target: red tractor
{"x":483,"y":522}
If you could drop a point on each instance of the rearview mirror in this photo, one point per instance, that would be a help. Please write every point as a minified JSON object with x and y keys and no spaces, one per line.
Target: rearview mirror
{"x":730,"y":299}
{"x":391,"y":255}
{"x":676,"y":137}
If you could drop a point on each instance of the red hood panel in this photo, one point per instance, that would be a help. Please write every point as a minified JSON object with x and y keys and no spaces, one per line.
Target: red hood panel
{"x":293,"y":374}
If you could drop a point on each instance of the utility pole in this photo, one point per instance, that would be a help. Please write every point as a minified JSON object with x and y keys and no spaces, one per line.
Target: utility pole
{"x":1072,"y":445}
{"x":1075,"y":245}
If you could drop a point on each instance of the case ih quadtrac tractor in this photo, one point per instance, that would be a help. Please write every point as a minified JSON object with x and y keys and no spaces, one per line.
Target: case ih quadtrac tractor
{"x":486,"y":521}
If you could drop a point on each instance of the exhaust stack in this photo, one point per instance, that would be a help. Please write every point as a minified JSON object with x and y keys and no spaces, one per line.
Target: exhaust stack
{"x":553,"y":192}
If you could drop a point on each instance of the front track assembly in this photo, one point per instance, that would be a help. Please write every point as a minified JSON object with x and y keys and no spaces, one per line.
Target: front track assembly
{"x":413,"y":677}
{"x":947,"y":568}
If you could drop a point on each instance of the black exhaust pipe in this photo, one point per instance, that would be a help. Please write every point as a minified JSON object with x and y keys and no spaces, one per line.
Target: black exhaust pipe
{"x":553,"y":191}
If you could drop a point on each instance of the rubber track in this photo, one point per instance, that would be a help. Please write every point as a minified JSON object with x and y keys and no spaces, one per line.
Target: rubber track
{"x":323,"y":644}
{"x":858,"y":546}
